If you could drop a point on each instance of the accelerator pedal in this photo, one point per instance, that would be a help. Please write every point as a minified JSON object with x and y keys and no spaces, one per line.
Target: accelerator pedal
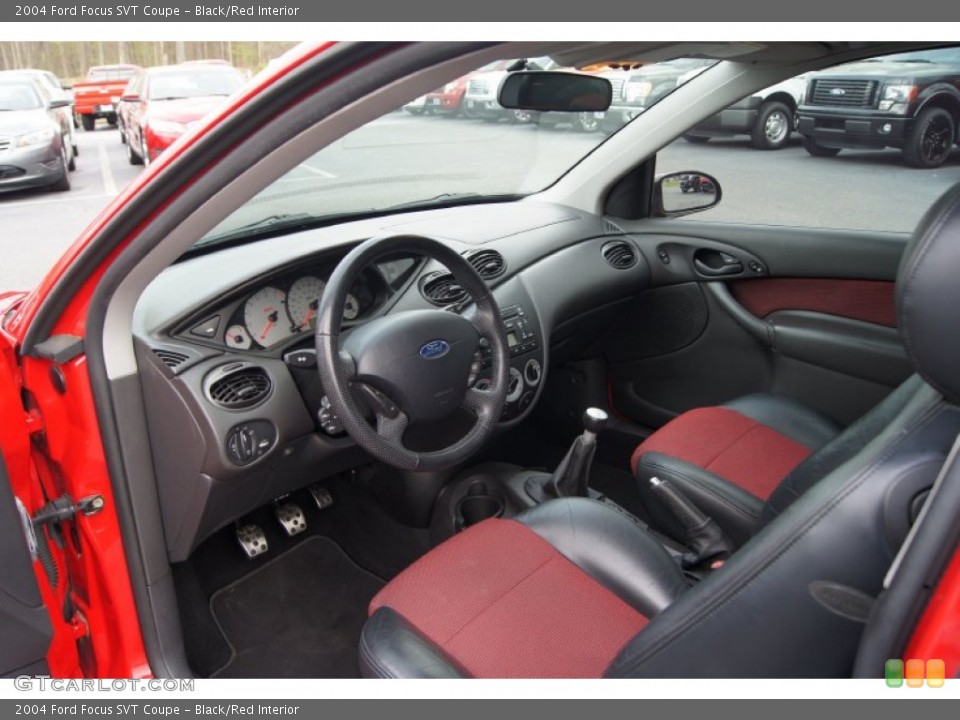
{"x":321,"y":496}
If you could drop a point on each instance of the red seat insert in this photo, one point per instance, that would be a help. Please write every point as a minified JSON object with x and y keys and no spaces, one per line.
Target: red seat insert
{"x":503,"y":603}
{"x":729,"y":444}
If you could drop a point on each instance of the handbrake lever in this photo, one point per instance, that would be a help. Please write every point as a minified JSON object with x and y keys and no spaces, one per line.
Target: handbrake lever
{"x":707,"y":542}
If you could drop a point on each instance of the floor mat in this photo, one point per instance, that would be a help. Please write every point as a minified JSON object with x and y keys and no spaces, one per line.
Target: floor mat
{"x":298,"y":616}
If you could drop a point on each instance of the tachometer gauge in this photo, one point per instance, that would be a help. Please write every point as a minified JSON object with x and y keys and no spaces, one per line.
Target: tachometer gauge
{"x":265,"y":316}
{"x":302,"y":301}
{"x":238,"y":338}
{"x":351,"y":308}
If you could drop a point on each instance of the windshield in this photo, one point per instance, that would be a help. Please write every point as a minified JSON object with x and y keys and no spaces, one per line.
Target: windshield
{"x":191,"y":82}
{"x":19,"y":97}
{"x":454,"y":145}
{"x":939,"y":55}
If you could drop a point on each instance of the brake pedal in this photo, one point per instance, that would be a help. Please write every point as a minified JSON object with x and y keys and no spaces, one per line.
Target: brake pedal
{"x":321,"y":496}
{"x":291,"y":518}
{"x":252,"y":540}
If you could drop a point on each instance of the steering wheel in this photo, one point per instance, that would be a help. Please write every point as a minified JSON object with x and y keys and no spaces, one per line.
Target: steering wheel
{"x":411,"y":366}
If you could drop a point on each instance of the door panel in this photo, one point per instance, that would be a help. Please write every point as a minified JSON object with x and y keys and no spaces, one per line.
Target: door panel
{"x":806,"y":313}
{"x":24,"y":623}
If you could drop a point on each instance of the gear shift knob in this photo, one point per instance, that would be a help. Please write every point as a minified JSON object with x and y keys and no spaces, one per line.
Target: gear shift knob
{"x":594,"y":420}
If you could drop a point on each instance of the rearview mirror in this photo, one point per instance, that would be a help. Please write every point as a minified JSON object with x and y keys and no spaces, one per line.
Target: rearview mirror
{"x":685,"y":192}
{"x":550,"y":91}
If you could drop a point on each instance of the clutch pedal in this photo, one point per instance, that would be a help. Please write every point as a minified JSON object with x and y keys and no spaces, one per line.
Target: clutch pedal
{"x":321,"y":496}
{"x":291,"y":518}
{"x":252,"y":540}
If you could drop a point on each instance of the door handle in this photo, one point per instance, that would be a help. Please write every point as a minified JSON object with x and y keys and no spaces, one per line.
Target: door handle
{"x":714,"y":263}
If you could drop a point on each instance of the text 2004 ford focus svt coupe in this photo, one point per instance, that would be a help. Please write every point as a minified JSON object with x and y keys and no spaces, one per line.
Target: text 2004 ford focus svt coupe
{"x":329,"y":392}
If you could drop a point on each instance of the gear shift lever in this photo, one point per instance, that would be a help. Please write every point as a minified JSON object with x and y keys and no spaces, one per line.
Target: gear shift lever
{"x":572,"y":476}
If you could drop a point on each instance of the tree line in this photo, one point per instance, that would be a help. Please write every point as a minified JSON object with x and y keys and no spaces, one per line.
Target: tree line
{"x":70,"y":60}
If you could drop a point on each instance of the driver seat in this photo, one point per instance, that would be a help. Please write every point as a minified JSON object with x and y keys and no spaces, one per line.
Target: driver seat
{"x":575,"y":588}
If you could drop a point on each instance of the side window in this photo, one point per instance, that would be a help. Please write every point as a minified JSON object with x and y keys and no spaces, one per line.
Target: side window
{"x":863,"y":146}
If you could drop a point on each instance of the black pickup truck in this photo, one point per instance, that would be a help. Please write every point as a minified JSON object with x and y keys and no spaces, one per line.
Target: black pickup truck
{"x":909,"y":101}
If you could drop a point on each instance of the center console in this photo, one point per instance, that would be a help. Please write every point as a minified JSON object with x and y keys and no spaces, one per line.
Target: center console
{"x":526,"y":360}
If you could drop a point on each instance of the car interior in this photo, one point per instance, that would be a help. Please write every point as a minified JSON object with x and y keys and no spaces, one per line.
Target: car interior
{"x":568,"y":433}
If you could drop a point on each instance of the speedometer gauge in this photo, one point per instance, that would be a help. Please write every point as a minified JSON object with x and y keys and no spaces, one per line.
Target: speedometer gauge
{"x":302,"y":301}
{"x":351,"y":308}
{"x":238,"y":338}
{"x":265,"y":316}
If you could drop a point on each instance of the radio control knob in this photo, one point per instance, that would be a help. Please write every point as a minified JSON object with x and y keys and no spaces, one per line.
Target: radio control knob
{"x":532,"y":372}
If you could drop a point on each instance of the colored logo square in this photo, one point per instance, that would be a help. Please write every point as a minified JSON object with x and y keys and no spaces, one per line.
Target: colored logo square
{"x":936,"y":672}
{"x":893,"y":671}
{"x":915,"y":672}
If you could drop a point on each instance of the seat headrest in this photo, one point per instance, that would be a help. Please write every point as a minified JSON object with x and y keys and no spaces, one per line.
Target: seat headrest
{"x":928,"y":296}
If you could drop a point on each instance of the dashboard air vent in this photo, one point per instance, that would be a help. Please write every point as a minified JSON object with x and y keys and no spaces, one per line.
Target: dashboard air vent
{"x":238,"y":386}
{"x":171,"y":358}
{"x":441,"y":288}
{"x":620,"y":254}
{"x":488,"y":263}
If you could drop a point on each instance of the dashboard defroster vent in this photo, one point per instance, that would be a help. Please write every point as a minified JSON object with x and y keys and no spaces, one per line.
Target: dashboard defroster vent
{"x":171,"y":358}
{"x":441,"y":288}
{"x":620,"y":254}
{"x":238,"y":386}
{"x":489,"y":264}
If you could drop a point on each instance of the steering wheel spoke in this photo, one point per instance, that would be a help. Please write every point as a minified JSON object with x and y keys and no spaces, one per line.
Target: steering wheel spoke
{"x":391,"y":428}
{"x":477,"y":401}
{"x":381,"y":405}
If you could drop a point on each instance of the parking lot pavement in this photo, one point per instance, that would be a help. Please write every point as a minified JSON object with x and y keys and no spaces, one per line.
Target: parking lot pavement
{"x":38,"y":225}
{"x":856,"y":190}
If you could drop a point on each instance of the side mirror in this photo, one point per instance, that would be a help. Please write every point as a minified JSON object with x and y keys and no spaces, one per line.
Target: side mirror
{"x":61,"y":103}
{"x":554,"y":91}
{"x":130,"y":97}
{"x":66,"y":86}
{"x":681,"y":193}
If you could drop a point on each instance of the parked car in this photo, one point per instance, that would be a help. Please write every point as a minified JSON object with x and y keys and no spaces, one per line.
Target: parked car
{"x":57,"y":91}
{"x":35,"y":147}
{"x":909,"y":101}
{"x":98,"y":95}
{"x":304,"y":401}
{"x":643,"y":86}
{"x":769,"y":117}
{"x":161,"y":103}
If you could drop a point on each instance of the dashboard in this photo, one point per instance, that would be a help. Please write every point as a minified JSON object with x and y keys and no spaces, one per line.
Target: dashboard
{"x":225,"y":344}
{"x":282,"y":307}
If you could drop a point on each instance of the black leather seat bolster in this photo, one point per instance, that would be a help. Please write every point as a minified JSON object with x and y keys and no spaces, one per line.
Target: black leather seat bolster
{"x":390,"y":647}
{"x":612,"y":549}
{"x":788,"y":417}
{"x":735,"y":510}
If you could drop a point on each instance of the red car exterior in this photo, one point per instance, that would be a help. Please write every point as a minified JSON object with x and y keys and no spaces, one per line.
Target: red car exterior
{"x":53,"y":444}
{"x":161,"y":104}
{"x":448,"y":99}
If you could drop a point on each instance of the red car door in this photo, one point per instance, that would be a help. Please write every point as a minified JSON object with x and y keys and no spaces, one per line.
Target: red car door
{"x":25,"y":623}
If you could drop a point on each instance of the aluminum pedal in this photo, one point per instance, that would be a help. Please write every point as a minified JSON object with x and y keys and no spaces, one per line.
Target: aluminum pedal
{"x":252,"y":540}
{"x":321,"y":496}
{"x":291,"y":518}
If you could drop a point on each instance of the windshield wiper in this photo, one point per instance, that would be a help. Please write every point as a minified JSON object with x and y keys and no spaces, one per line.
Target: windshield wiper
{"x":271,"y":222}
{"x":173,"y":97}
{"x":448,"y":199}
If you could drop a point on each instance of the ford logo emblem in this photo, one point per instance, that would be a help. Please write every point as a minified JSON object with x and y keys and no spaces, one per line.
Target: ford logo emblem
{"x":434,"y":349}
{"x":838,"y":91}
